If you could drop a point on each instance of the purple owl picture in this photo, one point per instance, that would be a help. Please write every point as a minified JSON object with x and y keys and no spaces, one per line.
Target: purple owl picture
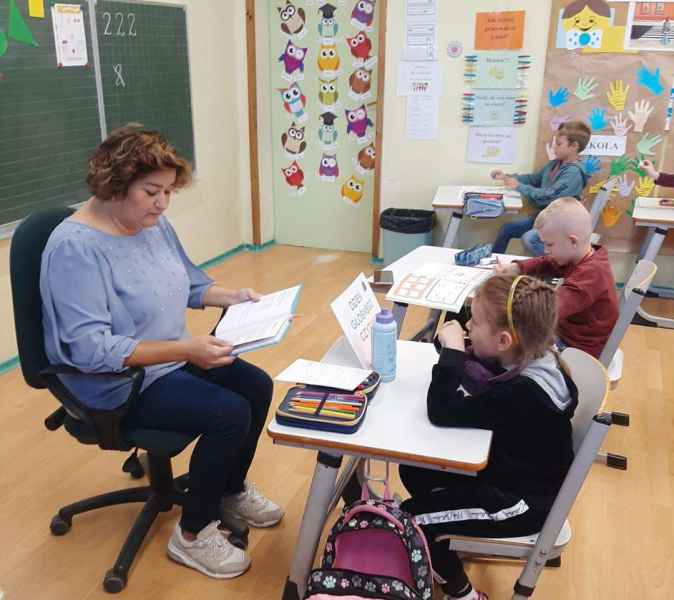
{"x":362,"y":14}
{"x":328,"y":169}
{"x":293,"y":62}
{"x":357,"y":123}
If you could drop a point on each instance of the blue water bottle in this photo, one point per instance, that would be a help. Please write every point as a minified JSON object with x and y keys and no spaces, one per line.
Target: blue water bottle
{"x":384,"y":337}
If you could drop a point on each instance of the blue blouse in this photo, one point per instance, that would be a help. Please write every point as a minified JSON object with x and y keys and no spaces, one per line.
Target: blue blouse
{"x":102,"y":294}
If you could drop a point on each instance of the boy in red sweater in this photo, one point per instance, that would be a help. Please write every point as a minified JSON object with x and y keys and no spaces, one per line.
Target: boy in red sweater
{"x":587,"y":302}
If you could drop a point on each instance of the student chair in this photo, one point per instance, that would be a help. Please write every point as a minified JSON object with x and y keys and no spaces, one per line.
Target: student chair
{"x":599,"y":203}
{"x":590,"y":426}
{"x":95,"y":427}
{"x":612,"y":358}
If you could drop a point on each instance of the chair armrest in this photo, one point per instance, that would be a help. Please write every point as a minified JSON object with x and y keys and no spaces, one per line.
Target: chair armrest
{"x":106,"y":423}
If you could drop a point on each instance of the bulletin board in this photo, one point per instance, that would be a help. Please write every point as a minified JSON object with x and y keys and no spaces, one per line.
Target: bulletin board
{"x":324,"y":77}
{"x":611,"y":64}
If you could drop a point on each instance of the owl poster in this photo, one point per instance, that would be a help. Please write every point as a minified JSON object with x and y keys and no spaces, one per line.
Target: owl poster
{"x":324,"y":73}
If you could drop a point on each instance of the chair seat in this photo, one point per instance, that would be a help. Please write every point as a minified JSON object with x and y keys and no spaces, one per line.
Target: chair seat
{"x":514,"y":547}
{"x":615,"y":369}
{"x":156,"y":441}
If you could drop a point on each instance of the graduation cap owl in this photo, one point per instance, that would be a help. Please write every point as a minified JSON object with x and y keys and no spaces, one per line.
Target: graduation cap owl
{"x":327,"y":133}
{"x":328,"y":26}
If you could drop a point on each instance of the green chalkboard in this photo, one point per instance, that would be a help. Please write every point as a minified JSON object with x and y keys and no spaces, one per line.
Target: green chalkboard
{"x":145,"y":68}
{"x":49,"y":119}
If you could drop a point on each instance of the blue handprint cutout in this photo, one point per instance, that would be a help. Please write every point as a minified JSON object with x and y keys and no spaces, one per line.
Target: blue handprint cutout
{"x":592,"y":165}
{"x":558,"y":98}
{"x":651,"y":81}
{"x":598,"y":119}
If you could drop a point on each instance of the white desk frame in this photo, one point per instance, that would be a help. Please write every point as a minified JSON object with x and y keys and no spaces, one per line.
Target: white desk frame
{"x":396,"y":429}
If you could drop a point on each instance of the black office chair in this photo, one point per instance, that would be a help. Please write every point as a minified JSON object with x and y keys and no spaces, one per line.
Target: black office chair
{"x":90,"y":426}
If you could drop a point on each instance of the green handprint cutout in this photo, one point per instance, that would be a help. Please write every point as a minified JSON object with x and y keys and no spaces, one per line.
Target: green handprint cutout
{"x":620,"y":165}
{"x":585,"y":87}
{"x":647,"y":143}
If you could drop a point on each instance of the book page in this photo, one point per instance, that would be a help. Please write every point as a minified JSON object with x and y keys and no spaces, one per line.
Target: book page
{"x":263,"y":318}
{"x":317,"y":373}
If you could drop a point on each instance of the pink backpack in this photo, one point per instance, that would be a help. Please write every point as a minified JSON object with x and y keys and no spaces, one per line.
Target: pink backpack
{"x":374,"y":551}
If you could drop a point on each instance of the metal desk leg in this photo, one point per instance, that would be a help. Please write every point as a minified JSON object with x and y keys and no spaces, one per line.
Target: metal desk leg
{"x":649,"y":251}
{"x":315,"y":512}
{"x":399,"y":310}
{"x":452,"y":229}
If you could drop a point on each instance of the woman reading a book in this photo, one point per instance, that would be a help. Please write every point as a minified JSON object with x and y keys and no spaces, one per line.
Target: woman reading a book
{"x":115,"y":283}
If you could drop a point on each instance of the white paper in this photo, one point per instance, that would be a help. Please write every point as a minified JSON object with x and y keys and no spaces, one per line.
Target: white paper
{"x":438,"y":285}
{"x":494,"y":145}
{"x":417,"y":78}
{"x":69,"y":35}
{"x":422,"y":117}
{"x":355,"y":309}
{"x":311,"y":372}
{"x":606,"y":145}
{"x":421,"y":30}
{"x":251,"y":321}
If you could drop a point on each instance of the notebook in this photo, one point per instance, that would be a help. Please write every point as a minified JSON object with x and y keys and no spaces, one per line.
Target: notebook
{"x":253,"y":325}
{"x":438,"y":285}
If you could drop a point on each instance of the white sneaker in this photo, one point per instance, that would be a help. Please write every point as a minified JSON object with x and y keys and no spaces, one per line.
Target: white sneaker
{"x":211,"y":553}
{"x":253,"y":507}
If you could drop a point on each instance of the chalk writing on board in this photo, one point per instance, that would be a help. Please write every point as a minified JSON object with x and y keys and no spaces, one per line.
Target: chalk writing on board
{"x":119,"y":24}
{"x":119,"y":72}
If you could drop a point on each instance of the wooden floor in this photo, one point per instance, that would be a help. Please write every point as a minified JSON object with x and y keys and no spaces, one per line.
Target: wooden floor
{"x":623,"y":524}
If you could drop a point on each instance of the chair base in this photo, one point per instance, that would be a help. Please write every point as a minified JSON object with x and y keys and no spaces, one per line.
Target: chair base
{"x":163,"y":493}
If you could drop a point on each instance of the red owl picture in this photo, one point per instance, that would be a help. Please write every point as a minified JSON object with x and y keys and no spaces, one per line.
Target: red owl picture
{"x":361,"y":47}
{"x":294,"y":177}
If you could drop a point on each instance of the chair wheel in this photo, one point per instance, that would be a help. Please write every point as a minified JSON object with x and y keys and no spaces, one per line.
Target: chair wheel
{"x":240,"y":541}
{"x":554,"y":562}
{"x":133,"y":467}
{"x":114,"y":582}
{"x":60,"y":525}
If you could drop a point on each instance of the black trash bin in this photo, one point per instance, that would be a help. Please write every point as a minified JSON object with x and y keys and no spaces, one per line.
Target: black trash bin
{"x":405,"y":229}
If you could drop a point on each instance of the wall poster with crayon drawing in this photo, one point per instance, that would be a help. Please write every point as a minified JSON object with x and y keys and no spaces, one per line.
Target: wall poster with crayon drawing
{"x":324,"y":83}
{"x":608,"y":63}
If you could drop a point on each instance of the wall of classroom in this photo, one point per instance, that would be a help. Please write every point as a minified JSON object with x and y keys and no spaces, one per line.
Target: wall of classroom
{"x":213,"y":216}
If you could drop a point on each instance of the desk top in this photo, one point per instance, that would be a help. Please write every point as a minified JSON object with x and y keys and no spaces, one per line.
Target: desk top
{"x":425,"y":254}
{"x":647,"y":210}
{"x":450,"y":196}
{"x":396,"y":427}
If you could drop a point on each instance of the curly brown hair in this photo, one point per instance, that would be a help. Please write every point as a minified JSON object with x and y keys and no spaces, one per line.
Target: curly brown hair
{"x":128,"y":154}
{"x":534,"y":312}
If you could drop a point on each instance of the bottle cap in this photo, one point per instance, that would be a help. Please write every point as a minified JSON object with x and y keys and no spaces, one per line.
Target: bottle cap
{"x":385,"y":317}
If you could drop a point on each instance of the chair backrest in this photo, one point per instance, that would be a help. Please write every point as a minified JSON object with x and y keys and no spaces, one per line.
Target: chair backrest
{"x":591,"y":379}
{"x":600,"y":200}
{"x":25,"y":256}
{"x":633,"y":293}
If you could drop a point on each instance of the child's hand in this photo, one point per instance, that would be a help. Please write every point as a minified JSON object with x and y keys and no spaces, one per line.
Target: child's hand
{"x":511,"y":183}
{"x":507,"y":269}
{"x":497,"y":174}
{"x":650,"y":169}
{"x":452,"y":336}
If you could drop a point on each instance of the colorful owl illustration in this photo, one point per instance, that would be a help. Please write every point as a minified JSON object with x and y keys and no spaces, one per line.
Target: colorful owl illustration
{"x":293,"y":142}
{"x":328,"y":60}
{"x":293,"y":61}
{"x":328,"y":170}
{"x":294,"y":102}
{"x":366,"y":159}
{"x":327,"y":133}
{"x":357,"y":123}
{"x":360,"y":83}
{"x":327,"y":92}
{"x":360,"y":45}
{"x":292,"y":19}
{"x":362,"y":14}
{"x":352,"y":190}
{"x":294,"y":176}
{"x":328,"y":27}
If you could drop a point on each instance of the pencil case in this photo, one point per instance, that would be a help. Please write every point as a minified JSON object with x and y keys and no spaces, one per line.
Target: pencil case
{"x":472,"y":256}
{"x":323,"y":410}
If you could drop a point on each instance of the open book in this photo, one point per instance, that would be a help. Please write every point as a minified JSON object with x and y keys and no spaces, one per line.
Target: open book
{"x":253,"y":325}
{"x":438,"y":285}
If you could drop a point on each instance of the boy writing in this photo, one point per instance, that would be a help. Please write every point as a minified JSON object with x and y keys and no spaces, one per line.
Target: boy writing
{"x":587,"y":301}
{"x":563,"y":176}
